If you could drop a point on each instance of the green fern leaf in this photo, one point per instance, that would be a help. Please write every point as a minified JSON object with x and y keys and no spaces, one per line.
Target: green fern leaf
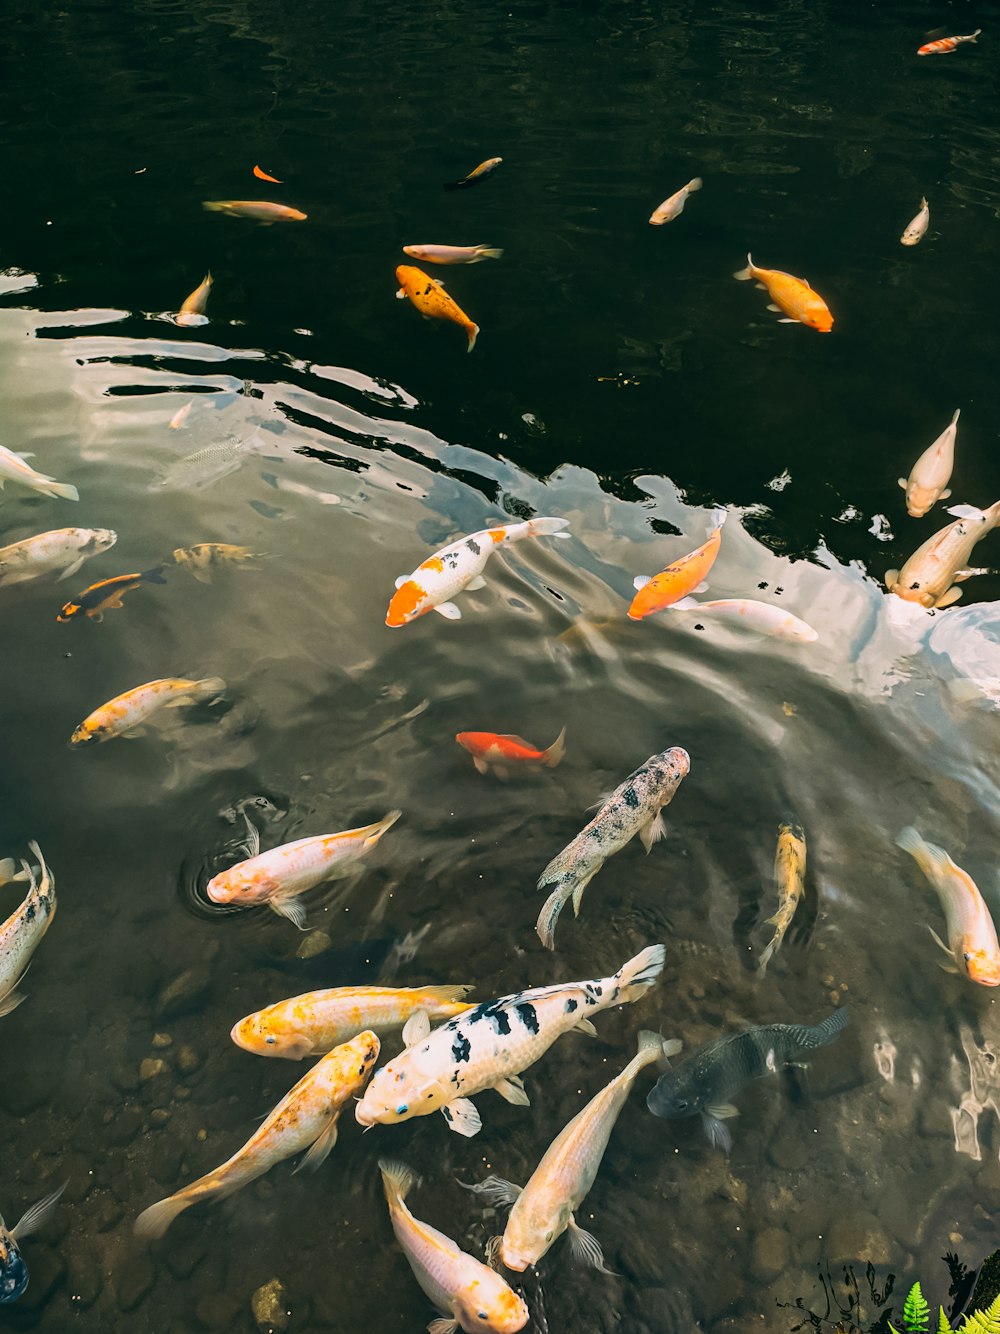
{"x":916,"y":1312}
{"x":943,"y":1326}
{"x":983,"y":1322}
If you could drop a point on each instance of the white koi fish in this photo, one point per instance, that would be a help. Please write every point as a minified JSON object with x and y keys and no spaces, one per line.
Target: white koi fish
{"x":633,"y":808}
{"x":674,"y":206}
{"x":126,"y":714}
{"x":931,"y":473}
{"x":22,"y":932}
{"x":916,"y":227}
{"x":544,"y":1209}
{"x":458,"y":567}
{"x":452,"y":254}
{"x":305,"y":1118}
{"x":972,"y":938}
{"x":931,"y":574}
{"x":762,"y":617}
{"x":279,"y":876}
{"x":14,"y":469}
{"x":62,"y":548}
{"x":13,"y":1270}
{"x":489,"y":1045}
{"x":475,"y":1297}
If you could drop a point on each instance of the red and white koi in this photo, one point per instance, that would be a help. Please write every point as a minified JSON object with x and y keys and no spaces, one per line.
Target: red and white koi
{"x":22,"y":932}
{"x":930,"y":475}
{"x":945,"y":45}
{"x":972,"y":947}
{"x":496,"y":751}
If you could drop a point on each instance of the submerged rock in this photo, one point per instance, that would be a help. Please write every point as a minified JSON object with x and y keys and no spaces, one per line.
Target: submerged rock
{"x":186,"y":992}
{"x":270,"y":1306}
{"x":134,"y":1280}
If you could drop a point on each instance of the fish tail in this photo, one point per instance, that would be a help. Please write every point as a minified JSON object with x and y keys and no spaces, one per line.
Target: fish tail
{"x":636,"y":977}
{"x":490,"y":252}
{"x":922,"y":852}
{"x":975,"y":35}
{"x":818,"y":1035}
{"x":213,"y":206}
{"x":654,"y":1048}
{"x":154,"y":576}
{"x":993,"y":514}
{"x":744,"y":275}
{"x":61,"y":490}
{"x":209,"y":687}
{"x":7,"y":870}
{"x":768,"y":953}
{"x":543,"y":527}
{"x":373,"y":832}
{"x":551,"y":908}
{"x":472,"y":330}
{"x":958,"y":413}
{"x":695,"y":184}
{"x":449,"y":994}
{"x":556,"y":751}
{"x":154,"y":1221}
{"x":397,"y":1180}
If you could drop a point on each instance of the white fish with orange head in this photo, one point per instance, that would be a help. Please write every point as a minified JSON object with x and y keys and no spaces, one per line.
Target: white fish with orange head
{"x":126,"y":714}
{"x":930,"y":475}
{"x":972,"y":946}
{"x":458,"y":567}
{"x":931,"y":575}
{"x":22,"y":932}
{"x":279,"y":876}
{"x":489,"y":1046}
{"x":305,"y":1118}
{"x":472,"y":1294}
{"x":544,"y":1209}
{"x":674,"y":206}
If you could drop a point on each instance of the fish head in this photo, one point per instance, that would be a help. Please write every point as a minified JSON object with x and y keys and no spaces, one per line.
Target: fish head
{"x":983,"y":966}
{"x":269,"y":1033}
{"x":919,"y":499}
{"x":99,"y":539}
{"x":409,"y":277}
{"x":489,"y":1303}
{"x":13,"y":1270}
{"x":531,"y":1229}
{"x":674,"y":1096}
{"x":359,"y":1056}
{"x":818,"y":318}
{"x":408,"y":602}
{"x":69,"y":612}
{"x":398,"y":1093}
{"x":89,"y":733}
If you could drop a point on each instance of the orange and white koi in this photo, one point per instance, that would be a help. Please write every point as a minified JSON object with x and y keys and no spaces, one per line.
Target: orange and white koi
{"x":22,"y":932}
{"x":317,"y":1021}
{"x":674,"y":206}
{"x":193,"y":309}
{"x":305,"y":1118}
{"x":474,"y":1296}
{"x":794,"y":296}
{"x":497,"y":750}
{"x":945,"y":45}
{"x":789,"y":878}
{"x":475,"y":175}
{"x":452,"y":254}
{"x":457,"y":568}
{"x":279,"y":876}
{"x":930,"y":475}
{"x":972,"y":945}
{"x":261,"y":210}
{"x":544,"y":1209}
{"x":65,"y":548}
{"x":13,"y":468}
{"x":683,"y":577}
{"x":489,"y":1046}
{"x":764,"y":618}
{"x":917,"y":225}
{"x":125,"y":714}
{"x":932,"y":573}
{"x":433,"y":302}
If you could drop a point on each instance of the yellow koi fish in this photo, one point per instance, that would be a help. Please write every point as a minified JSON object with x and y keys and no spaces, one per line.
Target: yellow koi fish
{"x":261,"y":210}
{"x":789,"y":877}
{"x":432,"y":300}
{"x":972,"y":938}
{"x":932,"y":573}
{"x":930,"y":475}
{"x":193,"y":309}
{"x":794,"y":296}
{"x":475,"y":175}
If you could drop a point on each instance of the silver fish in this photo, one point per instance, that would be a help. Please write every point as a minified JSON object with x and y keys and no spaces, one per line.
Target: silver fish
{"x":207,"y":465}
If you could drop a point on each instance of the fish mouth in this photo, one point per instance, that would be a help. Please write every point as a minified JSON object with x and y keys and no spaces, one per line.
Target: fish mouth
{"x":363,"y":1115}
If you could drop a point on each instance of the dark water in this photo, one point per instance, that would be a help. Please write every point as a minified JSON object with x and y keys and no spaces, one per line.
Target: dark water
{"x":621,"y":380}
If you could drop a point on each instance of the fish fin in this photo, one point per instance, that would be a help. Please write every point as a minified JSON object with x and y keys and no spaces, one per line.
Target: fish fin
{"x":6,"y":870}
{"x":20,"y":577}
{"x":723,"y":1110}
{"x":321,"y":1146}
{"x":397,"y":1179}
{"x":717,"y":1132}
{"x":63,"y":490}
{"x":695,"y":184}
{"x":585,"y":1249}
{"x":652,"y":831}
{"x":37,"y":1216}
{"x":545,"y":926}
{"x":285,"y":906}
{"x":604,"y":796}
{"x":585,"y":1026}
{"x":636,"y":977}
{"x":473,"y":335}
{"x":965,"y":512}
{"x":684,"y":604}
{"x":766,"y":955}
{"x":203,"y":576}
{"x":772,"y":306}
{"x":416,"y":1028}
{"x":553,"y":755}
{"x":502,"y":773}
{"x":490,"y":252}
{"x":946,"y":599}
{"x":480,"y":764}
{"x":400,"y":295}
{"x":443,"y":1325}
{"x":155,"y":575}
{"x":450,"y":993}
{"x":133,"y":732}
{"x":969,"y":572}
{"x":743,"y":275}
{"x":154,"y":1221}
{"x":578,"y":890}
{"x":945,"y":494}
{"x":477,"y":581}
{"x":462,"y":1117}
{"x":71,"y":569}
{"x":789,"y":321}
{"x":902,"y":482}
{"x":640,"y":581}
{"x":511,"y":1090}
{"x":494,"y":1190}
{"x":891,"y":579}
{"x":403,"y":579}
{"x":949,"y":968}
{"x":11,"y":1001}
{"x":448,"y":610}
{"x":251,"y":846}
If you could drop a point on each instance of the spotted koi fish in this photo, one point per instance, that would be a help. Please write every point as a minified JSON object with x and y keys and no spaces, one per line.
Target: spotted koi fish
{"x":22,"y":932}
{"x":13,"y":1270}
{"x":456,"y":568}
{"x":635,"y":807}
{"x":945,"y":45}
{"x":106,"y":595}
{"x":491,"y":1044}
{"x":433,"y":302}
{"x":789,"y":877}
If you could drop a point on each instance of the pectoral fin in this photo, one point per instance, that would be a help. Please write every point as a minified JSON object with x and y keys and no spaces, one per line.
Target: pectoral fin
{"x":320,"y":1148}
{"x":70,"y":569}
{"x":946,"y":599}
{"x":653,"y":831}
{"x":772,"y":306}
{"x":291,"y":908}
{"x":481,"y":765}
{"x":950,"y":966}
{"x":495,"y":1190}
{"x":512,"y":1089}
{"x":37,"y":1216}
{"x":902,"y":482}
{"x":891,"y":579}
{"x":477,"y":581}
{"x":400,"y":295}
{"x":717,"y":1131}
{"x":401,"y":580}
{"x":462,"y":1117}
{"x":11,"y":1001}
{"x":585,"y":1249}
{"x":585,"y":1026}
{"x":641,"y":580}
{"x":416,"y":1028}
{"x":443,"y":1326}
{"x":449,"y":611}
{"x":723,"y":1110}
{"x":945,"y":494}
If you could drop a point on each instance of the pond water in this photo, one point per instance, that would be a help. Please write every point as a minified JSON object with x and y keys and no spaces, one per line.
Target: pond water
{"x":622,"y":381}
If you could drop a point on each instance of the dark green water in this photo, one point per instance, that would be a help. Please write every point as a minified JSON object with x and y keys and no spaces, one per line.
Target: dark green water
{"x":621,"y":380}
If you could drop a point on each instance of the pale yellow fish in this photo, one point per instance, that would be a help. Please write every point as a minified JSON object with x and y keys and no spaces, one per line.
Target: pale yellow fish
{"x":972,"y":937}
{"x":930,"y":475}
{"x":62,"y":549}
{"x":916,"y":227}
{"x":22,"y":932}
{"x":201,"y":559}
{"x":305,"y":1118}
{"x":674,"y":206}
{"x":126,"y":713}
{"x":261,"y":210}
{"x":452,"y":254}
{"x":181,"y":415}
{"x":193,"y":309}
{"x":315,"y":1022}
{"x":469,"y":1292}
{"x":762,"y":617}
{"x":931,"y":574}
{"x":790,"y":882}
{"x":13,"y":468}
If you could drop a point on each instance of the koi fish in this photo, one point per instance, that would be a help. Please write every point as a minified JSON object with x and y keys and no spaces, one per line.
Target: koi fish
{"x":452,"y":254}
{"x":972,"y":946}
{"x":259,"y":209}
{"x":432,"y":300}
{"x":930,"y":575}
{"x":475,"y":175}
{"x":635,"y":807}
{"x":762,"y":617}
{"x":181,"y":415}
{"x":472,"y":1294}
{"x":931,"y":473}
{"x":705,"y":1082}
{"x":684,"y":576}
{"x":916,"y":227}
{"x":300,"y":489}
{"x":674,"y":206}
{"x":13,"y":1270}
{"x":489,"y":1046}
{"x":125,"y":714}
{"x":22,"y":932}
{"x":62,"y":548}
{"x":496,"y":750}
{"x":106,"y":595}
{"x":193,"y":309}
{"x":279,"y":876}
{"x":792,"y":295}
{"x":544,"y":1209}
{"x":13,"y":468}
{"x":317,"y":1021}
{"x":456,"y":568}
{"x":789,"y":878}
{"x":945,"y":45}
{"x":199,"y":560}
{"x":305,"y":1118}
{"x":263,"y":176}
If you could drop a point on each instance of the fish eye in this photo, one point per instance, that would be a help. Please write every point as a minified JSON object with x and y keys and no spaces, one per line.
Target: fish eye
{"x":270,"y":1039}
{"x":967,"y":956}
{"x":482,"y":1315}
{"x":681,"y":1104}
{"x":402,"y":1109}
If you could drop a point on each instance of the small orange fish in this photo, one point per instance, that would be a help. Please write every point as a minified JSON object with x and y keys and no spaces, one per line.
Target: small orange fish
{"x":498,"y":749}
{"x":944,"y":45}
{"x":193,"y":309}
{"x":260,"y":209}
{"x":106,"y":595}
{"x":432,"y":300}
{"x":263,"y":176}
{"x":677,"y":580}
{"x":792,"y":295}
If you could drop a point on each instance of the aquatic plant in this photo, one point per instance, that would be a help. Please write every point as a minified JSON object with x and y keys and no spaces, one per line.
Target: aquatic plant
{"x":916,"y":1312}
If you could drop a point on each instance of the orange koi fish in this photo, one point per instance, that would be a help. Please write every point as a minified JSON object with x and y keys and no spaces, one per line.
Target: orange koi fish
{"x":496,"y":750}
{"x":972,"y":946}
{"x":106,"y":595}
{"x":677,"y":581}
{"x":792,"y":295}
{"x":193,"y":309}
{"x":259,"y":209}
{"x":944,"y":45}
{"x":475,"y":175}
{"x":432,"y":300}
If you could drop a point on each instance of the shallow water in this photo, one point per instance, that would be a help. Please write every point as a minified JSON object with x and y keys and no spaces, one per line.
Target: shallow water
{"x":621,"y":380}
